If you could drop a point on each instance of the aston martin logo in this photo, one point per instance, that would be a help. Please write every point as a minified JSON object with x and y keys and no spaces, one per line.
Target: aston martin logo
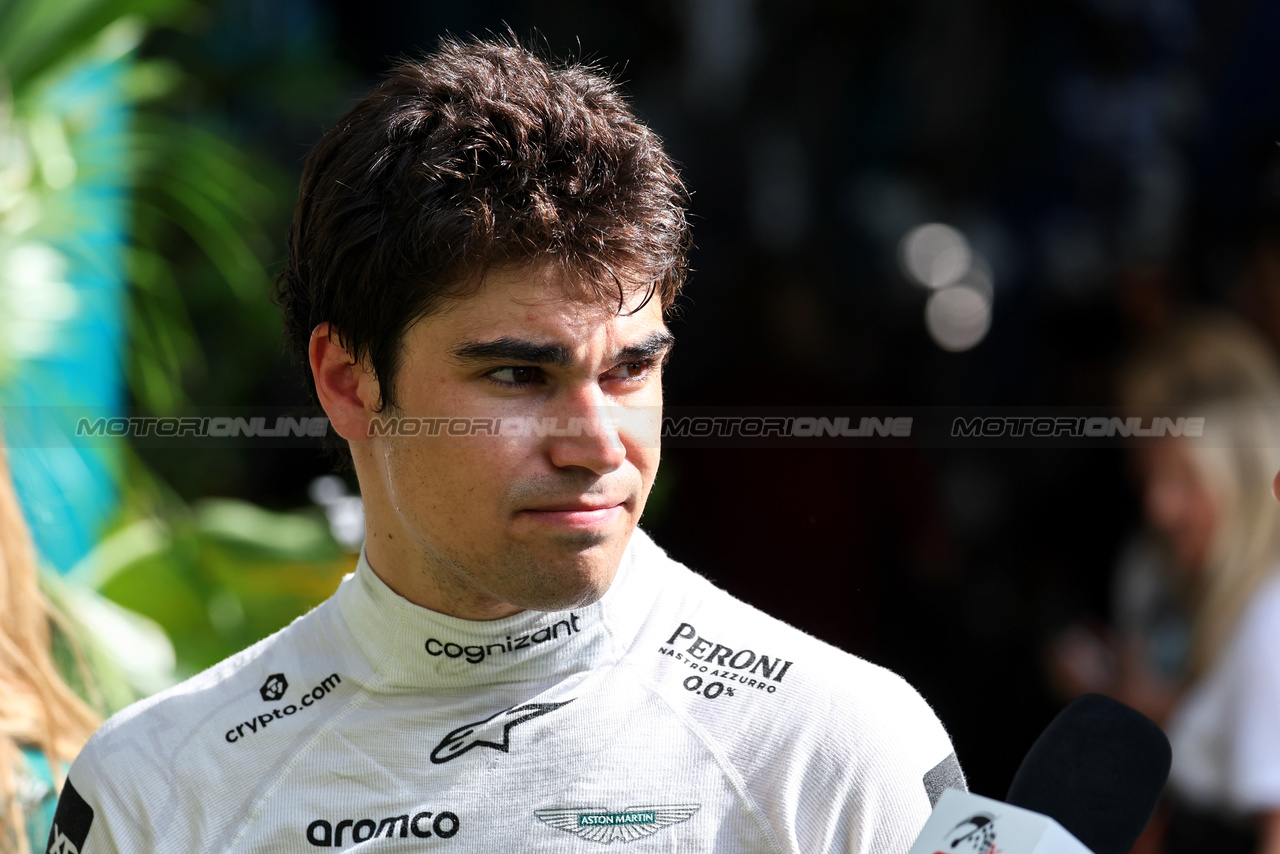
{"x":494,"y":731}
{"x":627,"y":826}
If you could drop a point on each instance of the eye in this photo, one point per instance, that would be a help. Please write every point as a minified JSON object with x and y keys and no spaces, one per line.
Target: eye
{"x":630,"y":371}
{"x":515,"y":375}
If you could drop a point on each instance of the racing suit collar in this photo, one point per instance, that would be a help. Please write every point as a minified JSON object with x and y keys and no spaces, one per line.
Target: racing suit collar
{"x":411,"y":647}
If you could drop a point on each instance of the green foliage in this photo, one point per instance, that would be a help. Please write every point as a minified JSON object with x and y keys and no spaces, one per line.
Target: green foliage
{"x":92,"y":668}
{"x":192,"y":184}
{"x":219,"y":575}
{"x":201,"y":207}
{"x":59,"y":161}
{"x":36,"y":36}
{"x":215,"y":574}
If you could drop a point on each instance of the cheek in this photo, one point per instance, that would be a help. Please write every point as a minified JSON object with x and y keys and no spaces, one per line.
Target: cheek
{"x":443,"y":482}
{"x":645,"y":459}
{"x":641,"y":430}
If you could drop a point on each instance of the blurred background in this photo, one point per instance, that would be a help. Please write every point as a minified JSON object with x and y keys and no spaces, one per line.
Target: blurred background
{"x":971,"y":203}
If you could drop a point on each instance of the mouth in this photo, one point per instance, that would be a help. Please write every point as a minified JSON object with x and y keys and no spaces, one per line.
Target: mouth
{"x":581,"y":515}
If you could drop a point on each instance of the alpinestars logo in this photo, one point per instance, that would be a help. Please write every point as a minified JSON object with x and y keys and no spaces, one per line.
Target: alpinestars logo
{"x":493,"y":731}
{"x":977,"y":833}
{"x":275,"y":686}
{"x":628,"y":825}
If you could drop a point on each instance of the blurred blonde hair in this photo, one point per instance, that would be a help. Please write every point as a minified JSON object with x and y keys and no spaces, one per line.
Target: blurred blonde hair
{"x":37,"y":708}
{"x":1217,"y":367}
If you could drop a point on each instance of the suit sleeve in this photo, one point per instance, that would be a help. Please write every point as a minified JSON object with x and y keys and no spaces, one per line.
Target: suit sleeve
{"x":73,"y":822}
{"x":91,"y":817}
{"x":873,"y":771}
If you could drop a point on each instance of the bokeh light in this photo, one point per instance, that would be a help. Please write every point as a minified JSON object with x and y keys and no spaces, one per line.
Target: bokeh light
{"x":957,"y":317}
{"x":934,"y":255}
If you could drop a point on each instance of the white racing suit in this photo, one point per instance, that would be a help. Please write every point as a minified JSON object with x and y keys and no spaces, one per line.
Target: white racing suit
{"x":667,"y":717}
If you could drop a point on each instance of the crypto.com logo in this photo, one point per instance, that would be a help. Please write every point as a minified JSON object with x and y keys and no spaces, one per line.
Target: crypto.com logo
{"x":275,"y":686}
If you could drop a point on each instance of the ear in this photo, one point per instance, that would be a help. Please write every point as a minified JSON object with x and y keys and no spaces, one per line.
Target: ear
{"x":348,"y":390}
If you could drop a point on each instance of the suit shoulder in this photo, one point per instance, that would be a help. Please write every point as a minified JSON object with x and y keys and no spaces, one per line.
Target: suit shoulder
{"x":738,"y":641}
{"x":695,"y":625}
{"x":219,"y":685}
{"x":791,"y":713}
{"x":197,"y":732}
{"x":699,"y":638}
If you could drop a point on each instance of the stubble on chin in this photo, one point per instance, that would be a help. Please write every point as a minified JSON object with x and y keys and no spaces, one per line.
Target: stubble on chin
{"x":557,"y":571}
{"x":575,"y":572}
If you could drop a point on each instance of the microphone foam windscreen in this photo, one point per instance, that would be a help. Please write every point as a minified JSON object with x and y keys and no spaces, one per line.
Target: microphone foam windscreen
{"x":1098,"y":770}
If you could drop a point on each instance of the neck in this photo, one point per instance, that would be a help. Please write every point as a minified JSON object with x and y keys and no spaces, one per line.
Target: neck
{"x":409,"y":569}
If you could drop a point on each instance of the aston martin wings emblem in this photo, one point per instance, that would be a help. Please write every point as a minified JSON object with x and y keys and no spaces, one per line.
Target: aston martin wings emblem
{"x":626,"y":826}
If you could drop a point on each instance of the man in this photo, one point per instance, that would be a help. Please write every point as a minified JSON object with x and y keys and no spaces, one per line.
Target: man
{"x":481,"y":258}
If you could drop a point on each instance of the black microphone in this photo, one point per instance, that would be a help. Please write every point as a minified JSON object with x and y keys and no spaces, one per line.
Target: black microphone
{"x":1098,"y":770}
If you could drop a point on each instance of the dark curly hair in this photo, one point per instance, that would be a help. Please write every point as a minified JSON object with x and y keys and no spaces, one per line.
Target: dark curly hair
{"x":479,"y":155}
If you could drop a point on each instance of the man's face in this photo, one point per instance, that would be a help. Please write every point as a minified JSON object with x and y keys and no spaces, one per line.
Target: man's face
{"x":518,"y":520}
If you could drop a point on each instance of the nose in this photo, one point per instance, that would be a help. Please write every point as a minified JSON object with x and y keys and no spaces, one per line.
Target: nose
{"x":587,"y":434}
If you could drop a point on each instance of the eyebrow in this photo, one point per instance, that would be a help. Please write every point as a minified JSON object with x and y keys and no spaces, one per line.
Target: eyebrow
{"x":654,"y":345}
{"x":532,"y":353}
{"x":513,"y":350}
